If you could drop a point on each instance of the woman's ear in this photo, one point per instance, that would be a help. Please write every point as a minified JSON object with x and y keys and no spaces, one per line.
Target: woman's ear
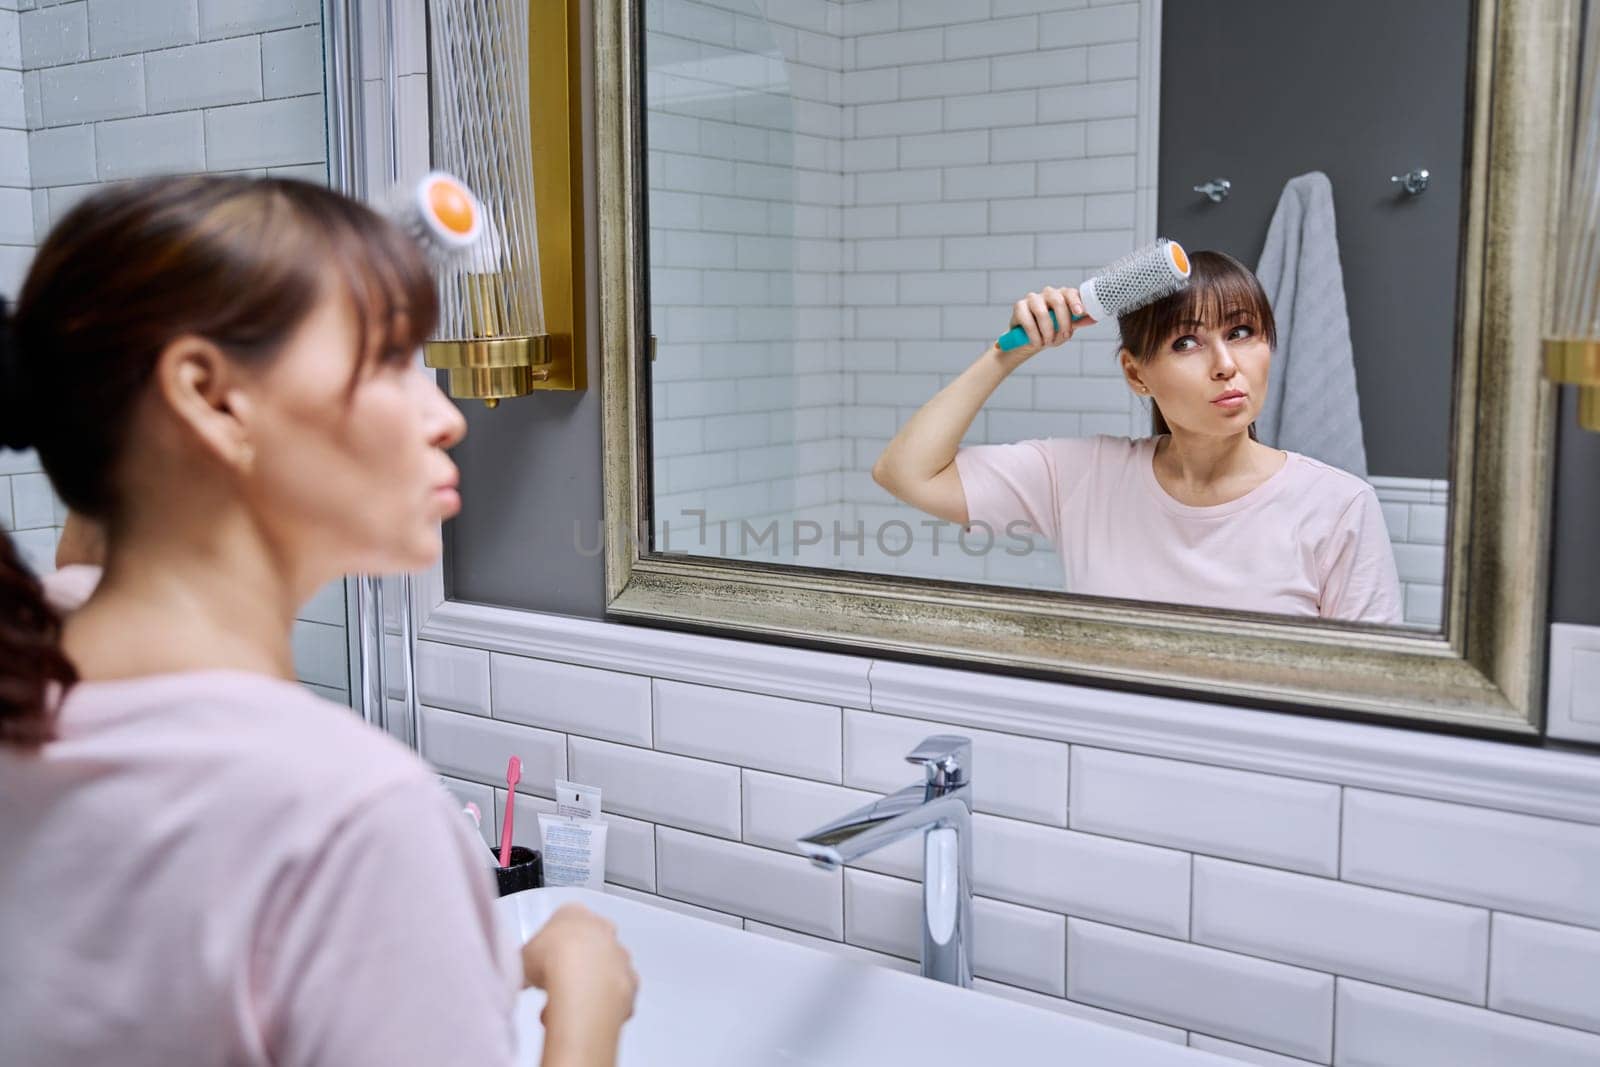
{"x":200,"y":388}
{"x":1130,"y":371}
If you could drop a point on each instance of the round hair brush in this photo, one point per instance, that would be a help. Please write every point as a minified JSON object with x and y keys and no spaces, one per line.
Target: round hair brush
{"x":1136,"y":280}
{"x":440,"y":213}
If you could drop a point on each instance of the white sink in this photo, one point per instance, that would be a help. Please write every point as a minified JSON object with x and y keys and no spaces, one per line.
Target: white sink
{"x":714,"y":996}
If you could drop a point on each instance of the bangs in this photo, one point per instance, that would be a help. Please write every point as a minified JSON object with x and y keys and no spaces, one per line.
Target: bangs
{"x":385,"y":275}
{"x":1221,"y":291}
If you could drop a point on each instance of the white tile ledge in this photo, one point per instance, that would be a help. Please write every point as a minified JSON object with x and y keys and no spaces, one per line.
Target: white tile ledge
{"x":1491,"y":774}
{"x":748,"y":666}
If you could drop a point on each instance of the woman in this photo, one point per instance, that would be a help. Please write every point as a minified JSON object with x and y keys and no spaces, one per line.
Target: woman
{"x":204,"y":863}
{"x":1199,"y":513}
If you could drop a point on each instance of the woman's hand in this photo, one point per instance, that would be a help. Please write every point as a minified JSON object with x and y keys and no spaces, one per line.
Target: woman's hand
{"x":1032,"y":313}
{"x":577,"y":959}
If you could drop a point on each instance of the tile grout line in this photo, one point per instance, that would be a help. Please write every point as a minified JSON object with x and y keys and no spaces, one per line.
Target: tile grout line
{"x":1333,"y":1023}
{"x":1488,"y":960}
{"x":655,"y":826}
{"x":1338,"y":857}
{"x":1189,"y":931}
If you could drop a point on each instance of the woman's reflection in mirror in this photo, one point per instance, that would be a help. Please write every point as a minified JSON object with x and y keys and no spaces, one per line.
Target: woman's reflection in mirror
{"x":1199,"y":512}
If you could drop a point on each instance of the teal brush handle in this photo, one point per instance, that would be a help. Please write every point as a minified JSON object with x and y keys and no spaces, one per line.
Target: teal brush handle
{"x":1016,"y":337}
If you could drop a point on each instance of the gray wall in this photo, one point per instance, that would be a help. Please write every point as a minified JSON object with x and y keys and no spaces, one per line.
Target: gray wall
{"x":1259,"y":91}
{"x":1575,"y":550}
{"x":532,"y":469}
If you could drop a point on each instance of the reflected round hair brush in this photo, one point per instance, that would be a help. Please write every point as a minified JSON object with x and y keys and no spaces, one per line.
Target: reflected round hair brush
{"x":1137,"y":280}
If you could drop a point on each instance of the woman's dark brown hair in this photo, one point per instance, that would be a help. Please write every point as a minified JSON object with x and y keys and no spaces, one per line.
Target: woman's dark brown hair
{"x":1221,"y":290}
{"x":240,"y":262}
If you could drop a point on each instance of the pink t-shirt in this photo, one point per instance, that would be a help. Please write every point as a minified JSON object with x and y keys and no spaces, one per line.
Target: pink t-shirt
{"x":1310,"y":540}
{"x":223,"y":868}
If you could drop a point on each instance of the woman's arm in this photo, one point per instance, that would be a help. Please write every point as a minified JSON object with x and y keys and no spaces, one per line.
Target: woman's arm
{"x":918,"y":465}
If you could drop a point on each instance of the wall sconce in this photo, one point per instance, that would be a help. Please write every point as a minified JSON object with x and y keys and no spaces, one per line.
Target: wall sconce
{"x":505,"y":114}
{"x":1572,"y":338}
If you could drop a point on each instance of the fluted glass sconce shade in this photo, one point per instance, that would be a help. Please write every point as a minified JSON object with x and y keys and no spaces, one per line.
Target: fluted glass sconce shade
{"x":494,"y":336}
{"x":1572,"y":333}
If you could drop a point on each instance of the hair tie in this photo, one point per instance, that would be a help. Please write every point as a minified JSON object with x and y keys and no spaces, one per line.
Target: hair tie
{"x":16,"y":419}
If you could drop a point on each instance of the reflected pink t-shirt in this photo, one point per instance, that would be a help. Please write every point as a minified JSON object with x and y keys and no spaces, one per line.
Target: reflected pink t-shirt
{"x":223,"y":868}
{"x":1310,"y":540}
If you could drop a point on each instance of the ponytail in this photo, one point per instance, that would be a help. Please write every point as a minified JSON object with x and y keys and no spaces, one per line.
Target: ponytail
{"x":33,"y":669}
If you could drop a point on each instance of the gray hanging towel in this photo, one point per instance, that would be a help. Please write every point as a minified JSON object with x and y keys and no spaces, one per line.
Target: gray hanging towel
{"x":1312,"y":406}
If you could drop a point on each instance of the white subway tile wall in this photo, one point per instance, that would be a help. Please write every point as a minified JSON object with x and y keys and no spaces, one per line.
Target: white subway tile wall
{"x":1260,"y":818}
{"x":1019,"y":946}
{"x":1170,"y":1034}
{"x":94,"y":91}
{"x":1523,"y":864}
{"x":1417,"y":512}
{"x":29,"y":509}
{"x":1231,"y":909}
{"x":16,"y":201}
{"x":1254,"y":1001}
{"x":1545,"y":971}
{"x":1392,"y":938}
{"x":1388,"y":1028}
{"x":196,"y":61}
{"x":771,"y":733}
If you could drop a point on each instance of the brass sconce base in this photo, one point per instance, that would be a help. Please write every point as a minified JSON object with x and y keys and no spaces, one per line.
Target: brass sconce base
{"x":1589,"y":408}
{"x":495,"y":383}
{"x":492,"y":369}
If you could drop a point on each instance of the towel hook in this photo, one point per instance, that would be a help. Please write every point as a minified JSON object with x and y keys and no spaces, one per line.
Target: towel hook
{"x":1414,"y":182}
{"x":1216,"y":190}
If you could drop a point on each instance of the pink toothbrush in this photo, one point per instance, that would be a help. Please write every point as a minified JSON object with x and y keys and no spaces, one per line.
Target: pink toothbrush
{"x":513,"y":776}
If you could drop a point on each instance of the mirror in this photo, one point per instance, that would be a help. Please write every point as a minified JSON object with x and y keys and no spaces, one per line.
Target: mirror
{"x":816,"y":217}
{"x":845,"y":200}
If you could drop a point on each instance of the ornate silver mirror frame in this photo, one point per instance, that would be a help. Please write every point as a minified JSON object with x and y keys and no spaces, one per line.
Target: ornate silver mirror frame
{"x":1485,"y":671}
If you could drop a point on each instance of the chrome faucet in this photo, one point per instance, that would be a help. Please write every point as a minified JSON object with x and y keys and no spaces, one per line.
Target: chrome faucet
{"x":940,"y":808}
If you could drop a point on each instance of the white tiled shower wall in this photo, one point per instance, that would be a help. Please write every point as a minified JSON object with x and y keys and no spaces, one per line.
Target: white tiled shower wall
{"x":746,"y":143}
{"x":94,"y":91}
{"x":1251,"y":913}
